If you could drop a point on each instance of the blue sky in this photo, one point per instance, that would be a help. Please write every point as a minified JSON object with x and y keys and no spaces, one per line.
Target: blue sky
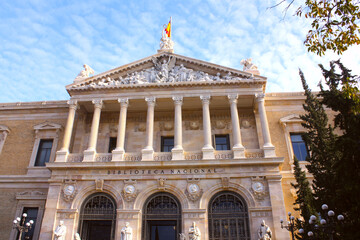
{"x":44,"y":43}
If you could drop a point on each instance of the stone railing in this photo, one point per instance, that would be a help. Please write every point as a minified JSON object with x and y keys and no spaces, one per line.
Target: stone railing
{"x":228,"y":154}
{"x":254,"y":153}
{"x":103,"y":157}
{"x":132,"y":156}
{"x":75,"y":157}
{"x":162,"y":156}
{"x":193,"y":155}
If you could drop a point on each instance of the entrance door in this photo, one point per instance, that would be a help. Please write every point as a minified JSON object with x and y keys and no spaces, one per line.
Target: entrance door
{"x":162,"y":217}
{"x":97,"y":218}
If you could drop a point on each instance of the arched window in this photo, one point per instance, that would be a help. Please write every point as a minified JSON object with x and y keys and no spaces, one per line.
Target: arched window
{"x":97,"y":217}
{"x":228,"y":217}
{"x":161,"y":217}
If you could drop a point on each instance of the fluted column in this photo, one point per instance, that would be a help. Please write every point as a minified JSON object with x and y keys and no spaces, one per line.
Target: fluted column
{"x":89,"y":154}
{"x":61,"y":155}
{"x":238,"y":148}
{"x":269,"y":149}
{"x":118,"y":152}
{"x":177,"y":151}
{"x":148,"y":151}
{"x":208,"y":150}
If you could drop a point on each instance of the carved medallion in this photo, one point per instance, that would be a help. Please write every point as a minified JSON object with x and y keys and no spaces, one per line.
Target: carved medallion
{"x":245,"y":123}
{"x":258,"y":187}
{"x":193,"y":190}
{"x":129,"y":191}
{"x":69,"y":190}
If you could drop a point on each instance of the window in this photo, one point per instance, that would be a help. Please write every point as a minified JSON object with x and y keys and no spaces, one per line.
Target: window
{"x":112,"y":143}
{"x":167,"y":143}
{"x":32,"y":214}
{"x":222,"y":142}
{"x":44,"y":151}
{"x":299,"y":147}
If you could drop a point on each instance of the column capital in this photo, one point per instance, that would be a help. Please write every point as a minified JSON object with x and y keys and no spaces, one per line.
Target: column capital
{"x":124,"y":102}
{"x":260,"y":97}
{"x":205,"y":98}
{"x":98,"y":103}
{"x":73,"y":104}
{"x":178,"y":99}
{"x":232,"y":98}
{"x":150,"y":100}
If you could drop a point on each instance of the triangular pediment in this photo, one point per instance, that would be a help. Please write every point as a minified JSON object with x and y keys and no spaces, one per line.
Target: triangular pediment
{"x":293,"y":118}
{"x":47,"y":126}
{"x":164,"y":69}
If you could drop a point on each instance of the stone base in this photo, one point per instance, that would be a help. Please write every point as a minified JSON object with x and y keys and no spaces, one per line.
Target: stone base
{"x":118,"y":155}
{"x":147,"y":154}
{"x":269,"y":151}
{"x":239,"y":152}
{"x":177,"y":154}
{"x":208,"y":153}
{"x":61,"y":156}
{"x":89,"y":155}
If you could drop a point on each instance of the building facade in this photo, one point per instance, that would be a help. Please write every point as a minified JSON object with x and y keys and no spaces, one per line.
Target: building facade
{"x":160,"y":143}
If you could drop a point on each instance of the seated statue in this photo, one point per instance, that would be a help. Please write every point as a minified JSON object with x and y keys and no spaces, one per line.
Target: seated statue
{"x":264,"y":231}
{"x":60,"y":231}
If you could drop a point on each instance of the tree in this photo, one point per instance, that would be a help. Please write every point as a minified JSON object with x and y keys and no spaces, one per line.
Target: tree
{"x":334,"y":159}
{"x":334,"y":24}
{"x":304,"y":201}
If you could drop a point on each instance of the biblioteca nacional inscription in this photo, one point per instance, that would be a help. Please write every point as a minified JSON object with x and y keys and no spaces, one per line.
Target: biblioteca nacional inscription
{"x":164,"y":171}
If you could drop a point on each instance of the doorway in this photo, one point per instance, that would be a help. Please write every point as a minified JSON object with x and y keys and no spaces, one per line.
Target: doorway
{"x":162,"y":217}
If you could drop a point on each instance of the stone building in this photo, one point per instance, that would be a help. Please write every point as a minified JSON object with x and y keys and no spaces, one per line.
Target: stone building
{"x":159,"y":143}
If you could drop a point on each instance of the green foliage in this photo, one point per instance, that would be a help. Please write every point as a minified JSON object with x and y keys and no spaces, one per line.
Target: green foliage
{"x":334,"y":27}
{"x":334,"y":159}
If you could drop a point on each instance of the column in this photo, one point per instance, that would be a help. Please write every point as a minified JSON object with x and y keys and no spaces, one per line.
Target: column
{"x":148,"y":151}
{"x":277,"y":206}
{"x":177,"y":151}
{"x":269,"y":149}
{"x":208,"y":150}
{"x":89,"y":154}
{"x":238,"y":148}
{"x":118,"y":152}
{"x":61,"y":155}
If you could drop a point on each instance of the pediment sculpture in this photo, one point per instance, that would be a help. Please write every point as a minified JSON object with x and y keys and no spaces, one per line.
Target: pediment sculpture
{"x":164,"y":71}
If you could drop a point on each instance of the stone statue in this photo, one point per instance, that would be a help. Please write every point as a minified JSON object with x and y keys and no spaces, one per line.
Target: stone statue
{"x":60,"y":231}
{"x":182,"y":236}
{"x":165,"y":41}
{"x":248,"y":65}
{"x":77,"y":236}
{"x":126,"y":232}
{"x":86,"y":72}
{"x":163,"y":68}
{"x":194,"y":232}
{"x":264,"y":231}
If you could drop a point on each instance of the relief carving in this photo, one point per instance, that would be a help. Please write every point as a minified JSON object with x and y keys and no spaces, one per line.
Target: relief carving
{"x":193,"y":190}
{"x":258,"y":187}
{"x":69,"y":190}
{"x":129,"y":191}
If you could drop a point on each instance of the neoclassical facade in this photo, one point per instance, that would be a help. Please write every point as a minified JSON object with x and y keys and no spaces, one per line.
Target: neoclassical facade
{"x":149,"y":149}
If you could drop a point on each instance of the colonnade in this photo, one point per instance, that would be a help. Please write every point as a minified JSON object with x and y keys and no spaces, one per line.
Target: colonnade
{"x":177,"y":151}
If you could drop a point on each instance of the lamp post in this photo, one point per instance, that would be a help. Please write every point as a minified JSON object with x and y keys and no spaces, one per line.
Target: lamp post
{"x":21,"y":226}
{"x":290,"y":225}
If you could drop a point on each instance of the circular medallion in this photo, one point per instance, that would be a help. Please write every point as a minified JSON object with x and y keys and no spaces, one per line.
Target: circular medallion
{"x":69,"y":190}
{"x":193,"y":188}
{"x":129,"y":189}
{"x":258,"y":187}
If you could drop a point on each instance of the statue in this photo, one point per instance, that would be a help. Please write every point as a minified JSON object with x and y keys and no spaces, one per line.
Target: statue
{"x":165,"y":41}
{"x":194,"y":232}
{"x":126,"y":232}
{"x":163,"y":68}
{"x":264,"y":231}
{"x":86,"y":72}
{"x":182,"y":236}
{"x":60,"y":231}
{"x":248,"y":65}
{"x":77,"y":236}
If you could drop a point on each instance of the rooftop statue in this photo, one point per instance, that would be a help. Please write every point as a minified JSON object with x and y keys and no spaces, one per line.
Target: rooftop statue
{"x":248,"y":65}
{"x":85,"y":73}
{"x":165,"y":42}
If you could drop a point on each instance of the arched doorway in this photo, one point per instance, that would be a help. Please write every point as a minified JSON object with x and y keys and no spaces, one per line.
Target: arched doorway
{"x":97,"y":217}
{"x":228,"y":217}
{"x":161,"y":217}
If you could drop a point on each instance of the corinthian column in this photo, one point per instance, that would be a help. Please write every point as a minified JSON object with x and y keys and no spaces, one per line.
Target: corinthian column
{"x":238,"y":148}
{"x":61,"y":155}
{"x":269,"y":149}
{"x":177,"y":151}
{"x":89,"y":154}
{"x":148,"y":151}
{"x":208,"y":150}
{"x":118,"y":152}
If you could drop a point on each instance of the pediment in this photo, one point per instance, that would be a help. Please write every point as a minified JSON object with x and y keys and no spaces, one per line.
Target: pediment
{"x":47,"y":126}
{"x":293,"y":118}
{"x":165,"y":69}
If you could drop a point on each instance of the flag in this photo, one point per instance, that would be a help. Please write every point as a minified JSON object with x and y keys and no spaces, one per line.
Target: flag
{"x":168,"y":29}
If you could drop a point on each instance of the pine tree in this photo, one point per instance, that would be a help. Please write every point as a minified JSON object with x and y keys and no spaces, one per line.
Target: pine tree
{"x":304,"y":201}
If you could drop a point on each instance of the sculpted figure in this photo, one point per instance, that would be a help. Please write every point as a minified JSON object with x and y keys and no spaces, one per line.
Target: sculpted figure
{"x":77,"y":236}
{"x":60,"y":231}
{"x":126,"y":232}
{"x":264,"y":231}
{"x":248,"y":65}
{"x":194,"y":232}
{"x":163,"y":68}
{"x":86,"y":72}
{"x":182,"y":236}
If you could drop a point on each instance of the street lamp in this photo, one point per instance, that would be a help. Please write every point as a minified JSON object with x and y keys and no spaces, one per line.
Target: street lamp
{"x":21,"y":226}
{"x":290,"y":225}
